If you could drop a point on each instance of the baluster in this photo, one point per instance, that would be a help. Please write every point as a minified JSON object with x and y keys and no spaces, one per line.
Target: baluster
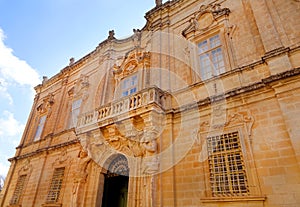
{"x":139,"y":100}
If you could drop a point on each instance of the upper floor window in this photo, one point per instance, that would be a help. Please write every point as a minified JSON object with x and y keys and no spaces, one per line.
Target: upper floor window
{"x":55,"y":186}
{"x":129,"y":85}
{"x":75,"y":110}
{"x":40,"y":127}
{"x":211,"y":57}
{"x":226,"y":166}
{"x":19,"y":190}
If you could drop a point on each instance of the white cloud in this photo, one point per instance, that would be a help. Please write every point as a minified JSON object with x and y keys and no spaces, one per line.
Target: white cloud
{"x":4,"y":169}
{"x":10,"y":127}
{"x":14,"y":69}
{"x":3,"y":91}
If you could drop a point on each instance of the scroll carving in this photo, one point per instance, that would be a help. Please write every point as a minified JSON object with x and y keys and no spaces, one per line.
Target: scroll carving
{"x":80,"y":89}
{"x":244,"y":119}
{"x":131,"y":63}
{"x":206,"y":16}
{"x":46,"y":104}
{"x":132,"y":145}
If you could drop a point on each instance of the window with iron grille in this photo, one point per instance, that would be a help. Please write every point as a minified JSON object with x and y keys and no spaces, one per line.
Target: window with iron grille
{"x":211,"y":57}
{"x":19,"y":190}
{"x":226,"y":166}
{"x":55,"y":186}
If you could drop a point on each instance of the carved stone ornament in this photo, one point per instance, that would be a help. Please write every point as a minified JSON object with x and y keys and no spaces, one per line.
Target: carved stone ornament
{"x":63,"y":158}
{"x":244,"y":119}
{"x":26,"y":169}
{"x":136,"y":38}
{"x":80,"y":89}
{"x":132,"y":144}
{"x":206,"y":16}
{"x":111,"y":35}
{"x":158,"y":2}
{"x":131,"y":63}
{"x":46,"y":104}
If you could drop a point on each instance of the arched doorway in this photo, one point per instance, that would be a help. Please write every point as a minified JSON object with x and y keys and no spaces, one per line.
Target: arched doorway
{"x":116,"y":183}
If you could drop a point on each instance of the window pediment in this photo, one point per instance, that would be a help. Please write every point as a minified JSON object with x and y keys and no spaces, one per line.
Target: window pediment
{"x":207,"y":16}
{"x":46,"y":104}
{"x":131,"y":64}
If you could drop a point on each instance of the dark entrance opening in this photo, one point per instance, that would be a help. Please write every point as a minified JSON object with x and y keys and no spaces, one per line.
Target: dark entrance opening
{"x":116,"y":183}
{"x":115,"y":191}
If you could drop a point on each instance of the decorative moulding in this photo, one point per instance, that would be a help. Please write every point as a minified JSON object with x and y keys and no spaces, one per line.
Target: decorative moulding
{"x":46,"y":104}
{"x":205,"y":17}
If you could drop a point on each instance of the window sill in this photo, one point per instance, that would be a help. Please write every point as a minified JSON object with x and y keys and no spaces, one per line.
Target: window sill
{"x":233,"y":199}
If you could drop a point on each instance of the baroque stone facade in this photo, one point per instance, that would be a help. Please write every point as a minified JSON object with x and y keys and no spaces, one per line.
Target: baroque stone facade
{"x":200,"y":107}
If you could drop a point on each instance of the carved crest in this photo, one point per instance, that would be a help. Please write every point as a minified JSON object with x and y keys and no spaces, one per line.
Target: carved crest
{"x":206,"y":16}
{"x":80,"y":88}
{"x":240,"y":119}
{"x":131,"y":63}
{"x":46,"y":104}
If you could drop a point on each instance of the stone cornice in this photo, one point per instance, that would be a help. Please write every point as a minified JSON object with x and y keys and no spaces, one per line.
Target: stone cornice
{"x":81,"y":62}
{"x":45,"y":149}
{"x":64,"y":72}
{"x":164,"y":6}
{"x":239,"y":91}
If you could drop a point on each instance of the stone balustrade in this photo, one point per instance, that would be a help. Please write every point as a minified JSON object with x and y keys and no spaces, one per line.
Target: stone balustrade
{"x":145,"y":97}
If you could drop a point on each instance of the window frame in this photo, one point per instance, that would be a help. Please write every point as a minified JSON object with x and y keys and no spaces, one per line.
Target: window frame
{"x":227,"y":173}
{"x":131,"y":87}
{"x":53,"y":182}
{"x":71,"y":123}
{"x":210,"y":70}
{"x":40,"y":127}
{"x":19,"y":189}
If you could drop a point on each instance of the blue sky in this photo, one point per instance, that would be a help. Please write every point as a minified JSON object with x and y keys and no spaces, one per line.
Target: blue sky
{"x":38,"y":37}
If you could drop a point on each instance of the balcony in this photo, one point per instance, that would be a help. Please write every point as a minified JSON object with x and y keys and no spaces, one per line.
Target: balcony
{"x":145,"y":100}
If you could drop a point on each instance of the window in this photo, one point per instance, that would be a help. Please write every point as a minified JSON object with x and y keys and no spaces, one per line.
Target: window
{"x":19,"y":189}
{"x":75,"y":113}
{"x":40,"y":128}
{"x":227,"y":170}
{"x":211,"y":57}
{"x":55,"y":185}
{"x":129,"y":85}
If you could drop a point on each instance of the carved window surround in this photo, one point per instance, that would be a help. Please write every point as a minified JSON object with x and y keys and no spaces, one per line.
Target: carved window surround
{"x":44,"y":111}
{"x":134,"y":62}
{"x":221,"y":123}
{"x":210,"y":21}
{"x":24,"y":173}
{"x":62,"y":162}
{"x":206,"y":18}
